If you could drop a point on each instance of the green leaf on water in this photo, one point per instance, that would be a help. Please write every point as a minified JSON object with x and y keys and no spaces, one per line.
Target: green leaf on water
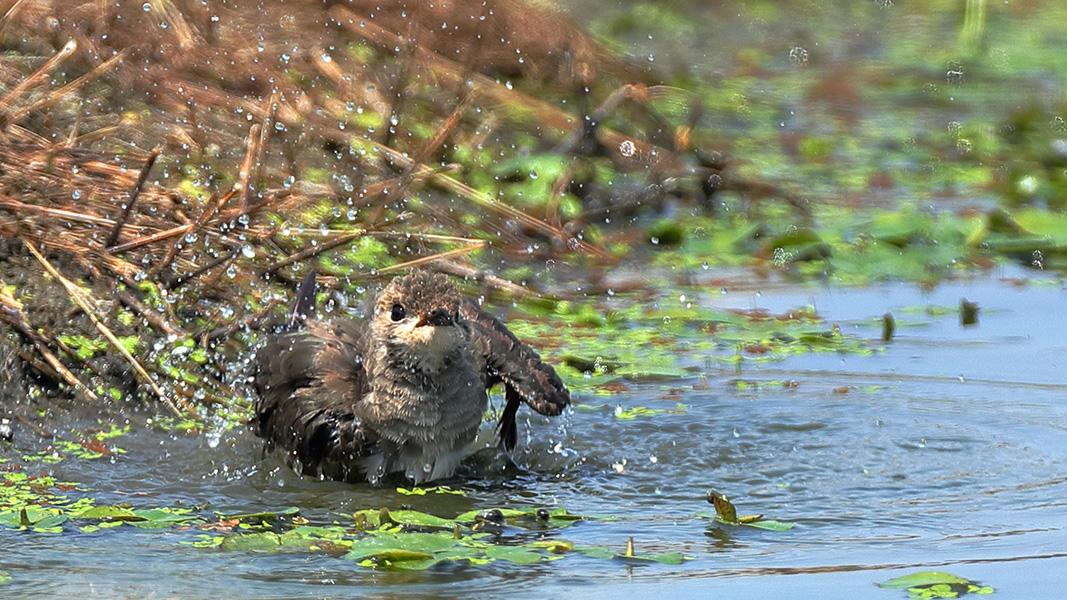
{"x":514,"y":554}
{"x":768,"y":524}
{"x":293,"y":539}
{"x":10,"y":519}
{"x":252,"y":542}
{"x":471,"y":555}
{"x":103,"y":512}
{"x":595,"y":552}
{"x":637,"y":411}
{"x":935,"y":584}
{"x":206,"y":541}
{"x":4,"y":577}
{"x":266,"y":516}
{"x":508,"y":513}
{"x":420,"y":519}
{"x":165,"y":514}
{"x":923,"y":578}
{"x":553,"y":546}
{"x":666,"y":558}
{"x":533,"y":518}
{"x":50,"y":524}
{"x":433,"y":490}
{"x":394,"y":547}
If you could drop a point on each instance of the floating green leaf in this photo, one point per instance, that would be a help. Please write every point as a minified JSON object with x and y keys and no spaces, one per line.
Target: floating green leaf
{"x":935,"y":584}
{"x":667,"y":558}
{"x":433,"y":490}
{"x":400,"y":547}
{"x":104,"y":512}
{"x":922,"y":578}
{"x":514,"y":554}
{"x":264,"y":541}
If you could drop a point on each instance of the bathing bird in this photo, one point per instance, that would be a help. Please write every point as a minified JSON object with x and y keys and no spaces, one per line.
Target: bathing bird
{"x":401,"y":392}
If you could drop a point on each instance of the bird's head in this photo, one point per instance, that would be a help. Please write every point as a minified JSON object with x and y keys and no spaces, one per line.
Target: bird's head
{"x":417,"y":315}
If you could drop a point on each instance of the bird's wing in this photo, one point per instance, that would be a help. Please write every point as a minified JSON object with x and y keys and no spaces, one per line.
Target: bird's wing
{"x":309,"y":382}
{"x":499,"y":356}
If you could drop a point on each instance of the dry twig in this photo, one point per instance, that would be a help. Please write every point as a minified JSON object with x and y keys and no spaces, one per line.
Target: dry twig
{"x":85,"y":304}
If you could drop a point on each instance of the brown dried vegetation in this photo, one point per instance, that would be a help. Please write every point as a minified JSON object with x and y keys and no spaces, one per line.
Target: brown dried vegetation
{"x":247,"y":105}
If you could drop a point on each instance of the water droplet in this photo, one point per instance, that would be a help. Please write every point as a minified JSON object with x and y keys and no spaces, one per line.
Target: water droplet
{"x":248,"y":251}
{"x":147,"y":7}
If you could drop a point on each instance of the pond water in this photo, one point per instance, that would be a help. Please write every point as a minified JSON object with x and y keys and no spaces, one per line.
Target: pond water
{"x":945,"y":451}
{"x":942,"y":450}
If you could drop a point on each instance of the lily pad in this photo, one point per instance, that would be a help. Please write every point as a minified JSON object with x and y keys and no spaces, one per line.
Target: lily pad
{"x":104,"y":512}
{"x":530,"y":518}
{"x":51,"y":524}
{"x":471,"y":555}
{"x":514,"y":554}
{"x":922,"y":578}
{"x":935,"y":584}
{"x":264,"y":541}
{"x":399,"y":547}
{"x":629,"y":555}
{"x":433,"y":490}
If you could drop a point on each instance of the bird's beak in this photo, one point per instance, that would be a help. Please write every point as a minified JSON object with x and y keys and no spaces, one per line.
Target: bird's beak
{"x":437,"y":317}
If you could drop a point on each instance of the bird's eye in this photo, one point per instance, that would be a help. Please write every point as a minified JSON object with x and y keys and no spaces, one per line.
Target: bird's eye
{"x":398,"y":313}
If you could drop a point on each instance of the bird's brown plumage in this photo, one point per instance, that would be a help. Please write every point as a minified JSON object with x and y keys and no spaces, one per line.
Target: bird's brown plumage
{"x":355,"y":401}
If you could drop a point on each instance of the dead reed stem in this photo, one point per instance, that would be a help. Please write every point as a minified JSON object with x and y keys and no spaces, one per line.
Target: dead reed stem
{"x":86,"y":304}
{"x":114,"y":237}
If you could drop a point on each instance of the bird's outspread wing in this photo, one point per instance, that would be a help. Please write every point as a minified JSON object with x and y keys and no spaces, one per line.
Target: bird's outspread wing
{"x":309,"y":380}
{"x":499,"y":356}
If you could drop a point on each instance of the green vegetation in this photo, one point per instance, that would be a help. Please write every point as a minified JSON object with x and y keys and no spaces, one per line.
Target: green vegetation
{"x":935,"y":584}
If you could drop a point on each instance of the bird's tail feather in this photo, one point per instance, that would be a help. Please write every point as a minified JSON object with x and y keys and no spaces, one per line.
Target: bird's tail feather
{"x":304,"y":305}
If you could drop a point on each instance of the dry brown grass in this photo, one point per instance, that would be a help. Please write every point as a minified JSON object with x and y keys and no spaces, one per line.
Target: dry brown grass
{"x":253,"y":111}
